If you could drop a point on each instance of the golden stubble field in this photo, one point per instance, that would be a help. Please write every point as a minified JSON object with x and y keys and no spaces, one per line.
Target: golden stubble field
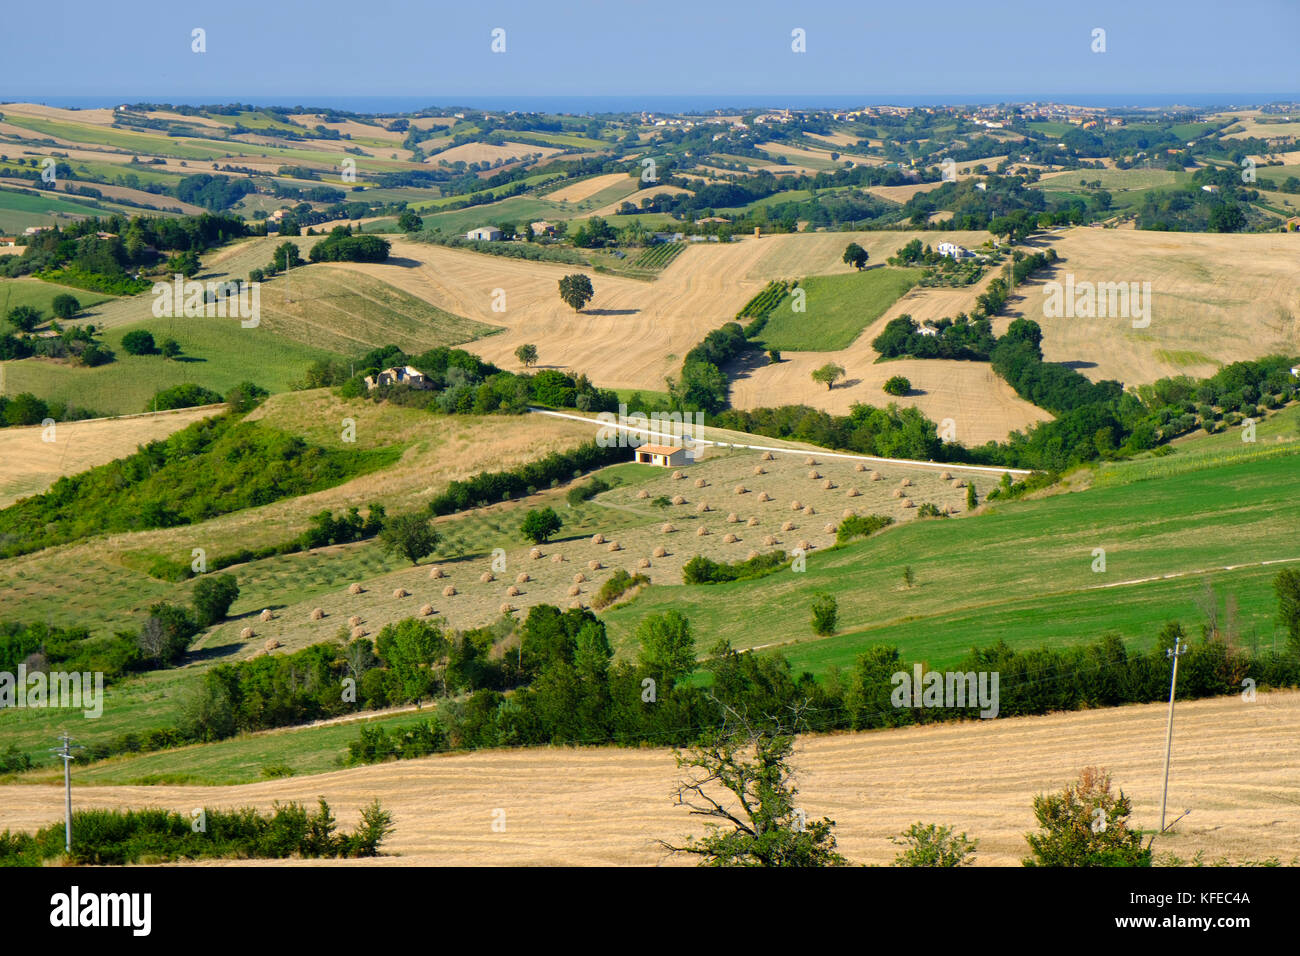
{"x":1233,"y":768}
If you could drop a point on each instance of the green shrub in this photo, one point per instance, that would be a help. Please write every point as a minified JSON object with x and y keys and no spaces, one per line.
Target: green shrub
{"x":138,"y":342}
{"x":212,"y":598}
{"x":897,"y":385}
{"x":618,"y":584}
{"x":860,"y":526}
{"x":825,"y":614}
{"x":702,"y":570}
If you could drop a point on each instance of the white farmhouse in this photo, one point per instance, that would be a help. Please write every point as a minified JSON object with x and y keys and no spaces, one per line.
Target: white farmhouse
{"x":485,"y":233}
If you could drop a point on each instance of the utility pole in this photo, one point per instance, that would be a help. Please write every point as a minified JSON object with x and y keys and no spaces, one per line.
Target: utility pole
{"x":65,"y":751}
{"x":1175,"y":652}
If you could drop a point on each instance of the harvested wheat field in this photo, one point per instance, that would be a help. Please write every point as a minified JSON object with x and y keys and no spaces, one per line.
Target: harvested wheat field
{"x":1215,"y":299}
{"x":487,"y":153}
{"x":585,"y":189}
{"x":29,"y":465}
{"x":606,"y":806}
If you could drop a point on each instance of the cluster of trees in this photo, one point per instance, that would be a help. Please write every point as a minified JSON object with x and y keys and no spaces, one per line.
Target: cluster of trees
{"x":959,"y":338}
{"x":1190,"y":208}
{"x":286,"y":256}
{"x":342,"y":246}
{"x":703,"y":385}
{"x":77,"y":343}
{"x":547,"y":472}
{"x":26,"y":409}
{"x":213,"y":193}
{"x":891,"y":432}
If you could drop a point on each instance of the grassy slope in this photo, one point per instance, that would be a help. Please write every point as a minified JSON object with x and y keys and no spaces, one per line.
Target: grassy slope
{"x":16,"y":292}
{"x":838,"y":308}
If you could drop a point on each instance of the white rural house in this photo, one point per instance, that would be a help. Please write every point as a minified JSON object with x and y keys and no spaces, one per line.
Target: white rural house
{"x":398,"y":375}
{"x":666,"y":456}
{"x":487,"y":233}
{"x":953,"y":250}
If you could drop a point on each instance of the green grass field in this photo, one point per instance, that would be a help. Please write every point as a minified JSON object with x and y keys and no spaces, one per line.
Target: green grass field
{"x":34,"y":292}
{"x":837,"y":309}
{"x":20,"y":210}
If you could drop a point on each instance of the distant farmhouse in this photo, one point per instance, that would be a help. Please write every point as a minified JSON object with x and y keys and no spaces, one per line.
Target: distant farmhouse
{"x":665,"y":456}
{"x":485,"y":233}
{"x":542,"y":228}
{"x":398,"y":375}
{"x":953,"y":250}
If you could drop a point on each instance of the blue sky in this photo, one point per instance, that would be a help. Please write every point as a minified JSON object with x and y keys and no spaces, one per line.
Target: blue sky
{"x":864,"y":51}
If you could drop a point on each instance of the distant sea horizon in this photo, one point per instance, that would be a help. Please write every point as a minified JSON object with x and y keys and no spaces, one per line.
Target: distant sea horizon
{"x":660,"y":103}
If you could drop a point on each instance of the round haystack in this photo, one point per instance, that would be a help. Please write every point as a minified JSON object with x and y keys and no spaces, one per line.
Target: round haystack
{"x":945,"y":476}
{"x":701,"y":483}
{"x":512,"y":591}
{"x":597,"y":538}
{"x":701,"y":531}
{"x":354,"y":620}
{"x":810,"y":510}
{"x":426,"y":610}
{"x":266,"y":615}
{"x":733,"y":518}
{"x":828,"y":485}
{"x":594,"y":565}
{"x":764,"y":496}
{"x":643,"y":563}
{"x":752,"y":522}
{"x":574,"y":590}
{"x":317,"y":614}
{"x":678,"y":500}
{"x":905,"y":483}
{"x":853,"y":493}
{"x":804,"y":545}
{"x":760,"y":470}
{"x":614,"y":546}
{"x":796,"y":505}
{"x":702,"y":507}
{"x":787,"y":526}
{"x":522,"y":578}
{"x":959,"y":483}
{"x":899,"y":493}
{"x":813,"y":475}
{"x":271,"y":644}
{"x":768,"y":541}
{"x":829,"y":529}
{"x":400,"y":592}
{"x":810,"y":460}
{"x":355,"y":588}
{"x":859,"y":467}
{"x":849,"y":512}
{"x":449,"y":591}
{"x":557,"y":558}
{"x":579,"y":578}
{"x":876,"y":476}
{"x":678,"y":476}
{"x":358,"y":632}
{"x":751,"y":556}
{"x":741,"y":490}
{"x":487,"y":577}
{"x":666,"y":528}
{"x":729,"y":538}
{"x":768,"y":456}
{"x":507,"y":608}
{"x":435,"y":572}
{"x":660,"y":552}
{"x":643,"y":493}
{"x":535,"y":554}
{"x":246,"y":634}
{"x":908,"y":503}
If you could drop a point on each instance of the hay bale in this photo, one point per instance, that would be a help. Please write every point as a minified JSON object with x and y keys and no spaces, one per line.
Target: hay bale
{"x":741,"y":490}
{"x":702,"y":507}
{"x":426,"y":610}
{"x":449,"y":591}
{"x":271,"y":644}
{"x":435,"y":572}
{"x":701,"y":531}
{"x":614,"y":546}
{"x":945,"y":476}
{"x":579,"y":578}
{"x":787,"y":526}
{"x":594,"y":565}
{"x":512,"y":591}
{"x":752,"y":522}
{"x":678,"y":476}
{"x":813,"y":475}
{"x":660,"y":552}
{"x":400,"y":592}
{"x":859,"y":467}
{"x":557,"y":558}
{"x":764,"y":496}
{"x":507,"y":608}
{"x":355,"y":588}
{"x":354,"y":620}
{"x":876,"y":476}
{"x":768,"y":541}
{"x":266,"y":615}
{"x":487,"y":577}
{"x":828,"y":485}
{"x":678,"y":500}
{"x":246,"y":634}
{"x":751,"y":556}
{"x":760,"y":470}
{"x":796,"y":505}
{"x":666,"y":528}
{"x":829,"y":529}
{"x":574,"y":590}
{"x":643,"y":493}
{"x":899,"y":493}
{"x":643,"y":563}
{"x":854,"y":493}
{"x":849,"y":512}
{"x":729,"y":538}
{"x":905,"y":483}
{"x":810,"y":510}
{"x":598,"y":538}
{"x":804,"y":545}
{"x":522,"y":578}
{"x":959,"y":483}
{"x":733,"y":518}
{"x":768,"y":456}
{"x":701,"y":483}
{"x":535,"y":554}
{"x":358,"y":632}
{"x":810,"y":460}
{"x":317,"y":614}
{"x":908,"y":503}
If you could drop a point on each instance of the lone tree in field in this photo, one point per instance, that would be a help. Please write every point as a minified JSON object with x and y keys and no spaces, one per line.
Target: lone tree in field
{"x":65,"y":306}
{"x":828,"y":374}
{"x":24,"y":318}
{"x":213,"y":595}
{"x":1287,"y":586}
{"x":856,"y":256}
{"x":576,"y":291}
{"x":825,"y":614}
{"x":527,"y":354}
{"x":410,"y":535}
{"x":897,"y":385}
{"x":740,"y":782}
{"x":539,"y":524}
{"x":1086,"y":825}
